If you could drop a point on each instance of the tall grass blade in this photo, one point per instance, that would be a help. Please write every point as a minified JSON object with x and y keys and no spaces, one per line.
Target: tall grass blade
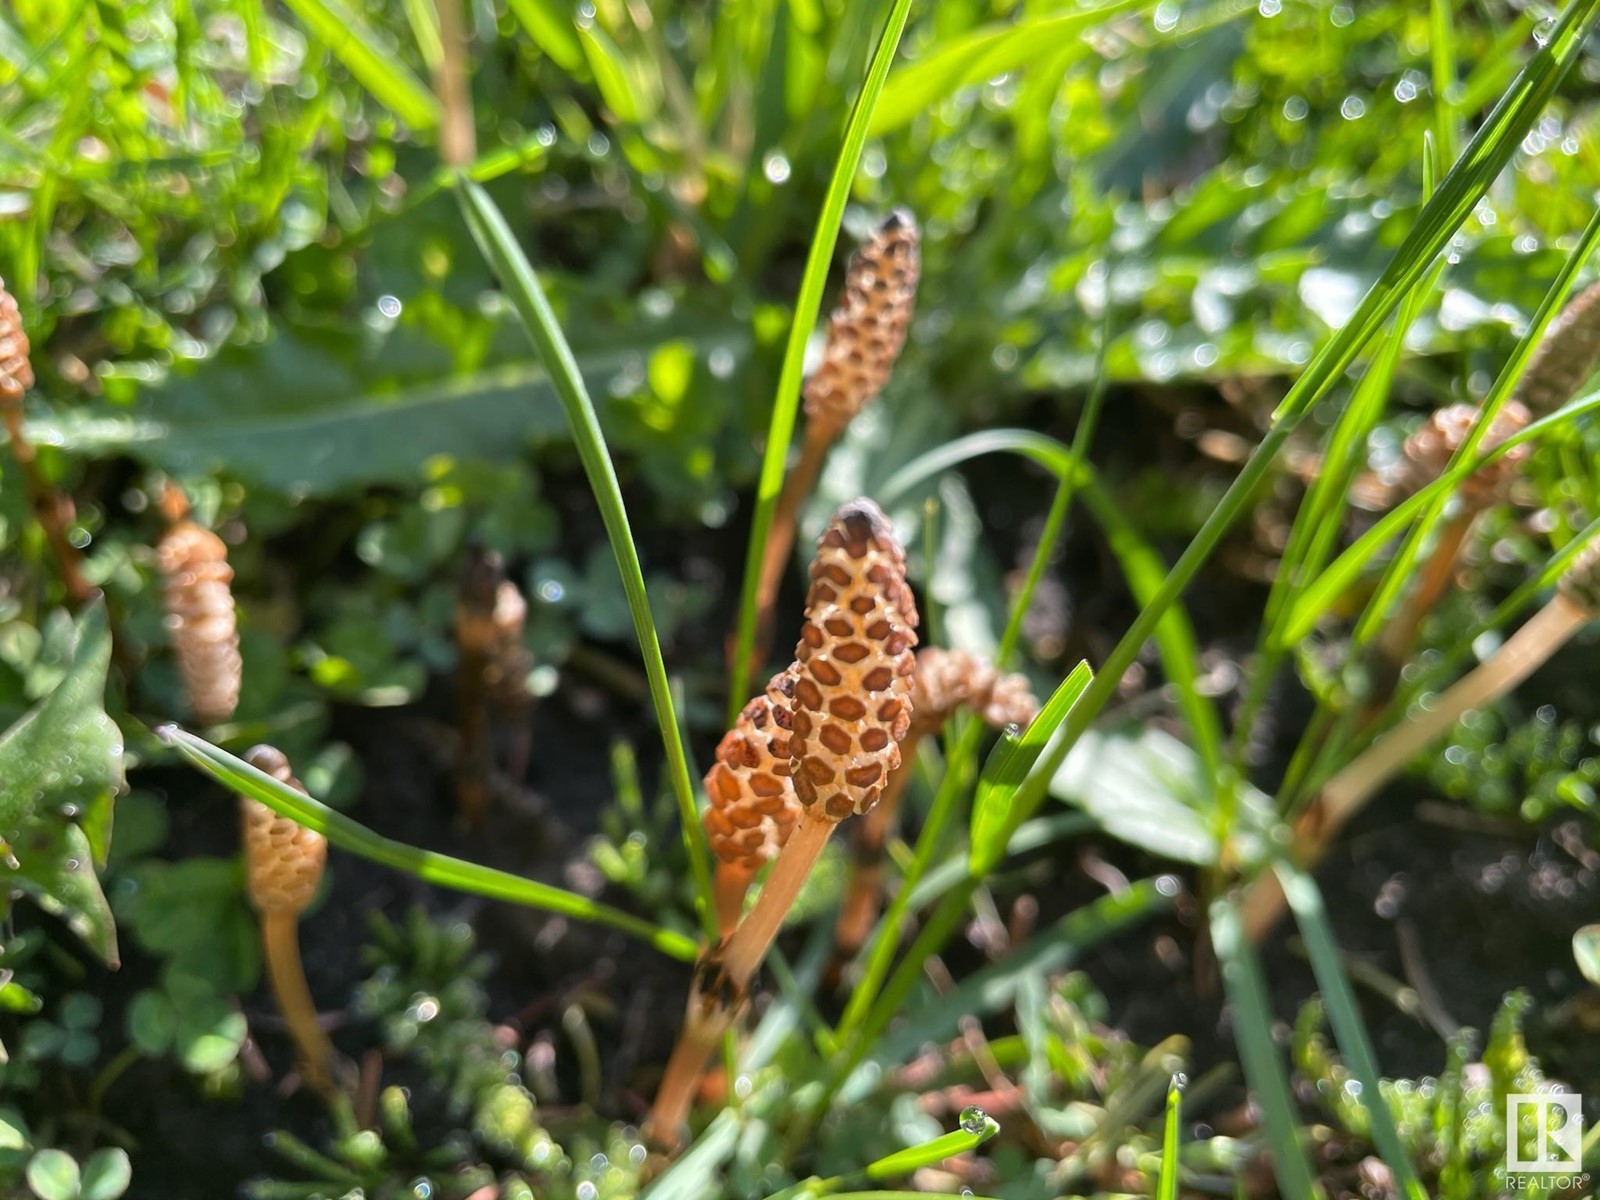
{"x":914,"y":1158}
{"x":1305,"y":901}
{"x":516,"y":275}
{"x":1167,"y":1180}
{"x":983,"y":54}
{"x":240,"y":777}
{"x":808,"y":304}
{"x":1008,"y":765}
{"x":1263,"y":1068}
{"x":375,"y":66}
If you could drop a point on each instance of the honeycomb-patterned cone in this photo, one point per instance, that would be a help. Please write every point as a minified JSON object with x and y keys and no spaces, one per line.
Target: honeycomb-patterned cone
{"x":16,"y":372}
{"x":868,"y":329}
{"x":852,"y":695}
{"x":753,"y":807}
{"x":945,"y":681}
{"x":200,"y":618}
{"x":1566,"y":356}
{"x":1581,"y":583}
{"x":1011,"y":702}
{"x":1430,"y":448}
{"x":950,"y":679}
{"x":283,"y":860}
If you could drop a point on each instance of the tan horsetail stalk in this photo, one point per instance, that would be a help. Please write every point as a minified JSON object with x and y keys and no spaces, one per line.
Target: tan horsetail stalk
{"x":850,"y":708}
{"x":283,"y":864}
{"x":493,"y":664}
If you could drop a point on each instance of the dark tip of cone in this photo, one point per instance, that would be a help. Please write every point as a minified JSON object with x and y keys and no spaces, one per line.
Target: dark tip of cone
{"x":898,"y":219}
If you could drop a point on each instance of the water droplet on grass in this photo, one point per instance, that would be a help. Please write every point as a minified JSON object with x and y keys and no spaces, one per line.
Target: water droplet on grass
{"x":973,"y":1119}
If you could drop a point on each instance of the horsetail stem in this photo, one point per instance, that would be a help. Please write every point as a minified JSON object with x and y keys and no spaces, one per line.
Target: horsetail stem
{"x":492,"y":674}
{"x":200,"y":615}
{"x":52,"y":509}
{"x":283,"y":864}
{"x":850,"y":709}
{"x":1575,"y":604}
{"x":865,"y":335}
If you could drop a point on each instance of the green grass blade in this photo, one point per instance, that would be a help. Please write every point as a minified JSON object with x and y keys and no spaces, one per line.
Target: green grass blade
{"x":1263,"y":1067}
{"x":696,"y":1175}
{"x":1008,"y":765}
{"x":1442,"y":52}
{"x":989,"y":989}
{"x":1061,"y":504}
{"x":516,"y":275}
{"x":240,"y":777}
{"x":808,"y":304}
{"x":1305,"y":901}
{"x":375,"y":66}
{"x":1167,"y":1181}
{"x":1528,"y":591}
{"x":914,"y":1158}
{"x":550,"y":25}
{"x":982,"y":54}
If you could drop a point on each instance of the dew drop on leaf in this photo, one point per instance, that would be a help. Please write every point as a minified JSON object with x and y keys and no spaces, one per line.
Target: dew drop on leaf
{"x":973,"y":1119}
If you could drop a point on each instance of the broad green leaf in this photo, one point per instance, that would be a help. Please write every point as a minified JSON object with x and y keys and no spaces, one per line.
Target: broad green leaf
{"x":61,"y":764}
{"x":304,"y":419}
{"x":151,"y":1022}
{"x":982,"y":55}
{"x":1150,"y":790}
{"x":549,"y":23}
{"x":53,"y":1175}
{"x":57,"y":871}
{"x":106,"y":1174}
{"x":375,"y":66}
{"x":1008,"y":765}
{"x":1586,"y":949}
